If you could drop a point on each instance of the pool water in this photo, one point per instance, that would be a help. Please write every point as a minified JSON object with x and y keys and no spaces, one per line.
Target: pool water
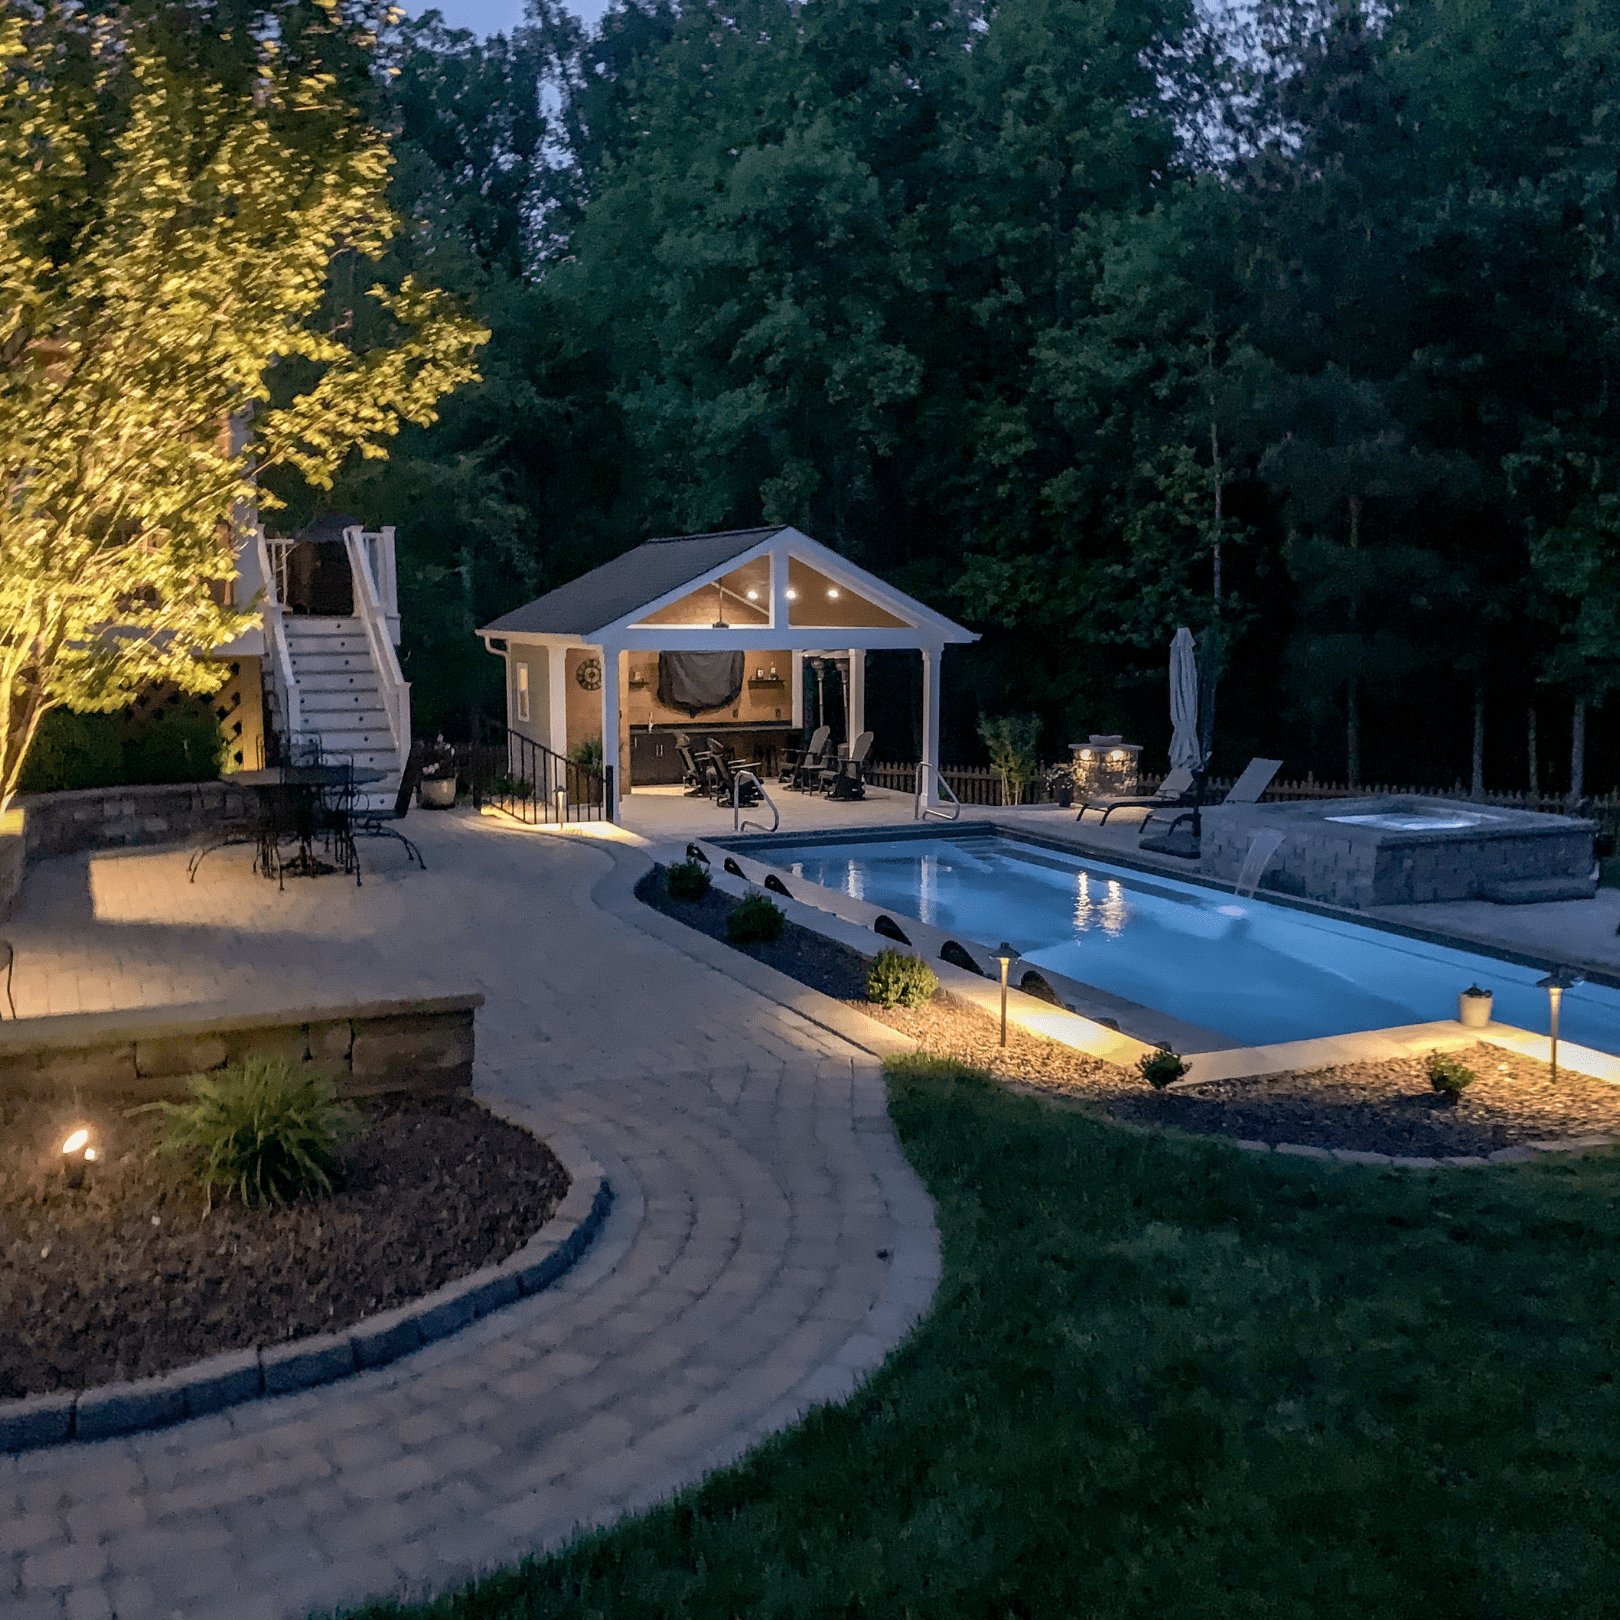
{"x":1253,"y":971}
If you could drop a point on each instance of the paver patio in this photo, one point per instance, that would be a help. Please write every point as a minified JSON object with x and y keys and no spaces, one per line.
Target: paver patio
{"x":767,"y":1248}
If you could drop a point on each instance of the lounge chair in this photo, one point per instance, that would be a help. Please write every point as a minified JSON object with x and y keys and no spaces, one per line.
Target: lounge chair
{"x":726,"y":769}
{"x":846,"y":780}
{"x":1249,"y":788}
{"x":807,"y":773}
{"x":795,"y":758}
{"x":1174,"y":789}
{"x":699,"y":777}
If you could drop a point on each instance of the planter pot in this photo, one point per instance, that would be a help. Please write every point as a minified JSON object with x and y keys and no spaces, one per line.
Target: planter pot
{"x":436,"y":792}
{"x":1474,"y":1008}
{"x":1065,"y":798}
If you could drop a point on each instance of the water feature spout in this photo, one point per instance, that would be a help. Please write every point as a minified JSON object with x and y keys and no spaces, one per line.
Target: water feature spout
{"x":1262,"y":846}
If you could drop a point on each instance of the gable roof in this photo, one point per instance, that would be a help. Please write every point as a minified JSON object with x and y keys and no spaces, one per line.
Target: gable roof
{"x":653,"y":569}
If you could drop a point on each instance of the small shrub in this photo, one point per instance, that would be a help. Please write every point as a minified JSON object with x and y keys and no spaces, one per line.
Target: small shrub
{"x":263,"y":1130}
{"x":1448,"y":1075}
{"x":587,"y":754}
{"x":898,"y":980}
{"x":74,"y":751}
{"x":1160,"y":1068}
{"x":755,"y":920}
{"x":687,"y":880}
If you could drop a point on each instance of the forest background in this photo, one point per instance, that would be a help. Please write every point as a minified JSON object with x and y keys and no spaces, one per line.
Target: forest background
{"x":1078,"y":319}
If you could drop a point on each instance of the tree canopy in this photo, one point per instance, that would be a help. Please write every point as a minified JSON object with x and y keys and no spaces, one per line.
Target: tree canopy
{"x":1080,"y":319}
{"x":178,"y":194}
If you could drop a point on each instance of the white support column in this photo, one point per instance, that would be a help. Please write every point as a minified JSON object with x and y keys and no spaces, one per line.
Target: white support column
{"x":931,"y":658}
{"x":557,"y":698}
{"x":857,"y":693}
{"x":798,"y":690}
{"x":612,"y":750}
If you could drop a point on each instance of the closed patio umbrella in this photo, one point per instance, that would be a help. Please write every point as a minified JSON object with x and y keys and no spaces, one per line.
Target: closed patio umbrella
{"x":1184,"y":749}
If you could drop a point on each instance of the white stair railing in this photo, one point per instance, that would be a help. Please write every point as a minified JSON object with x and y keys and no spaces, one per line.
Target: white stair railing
{"x":736,"y":804}
{"x":275,"y":636}
{"x":369,"y":607}
{"x":921,"y":811}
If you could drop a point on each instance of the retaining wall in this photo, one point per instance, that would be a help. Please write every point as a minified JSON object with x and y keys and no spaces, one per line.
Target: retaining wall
{"x":421,"y":1047}
{"x":115,"y":817}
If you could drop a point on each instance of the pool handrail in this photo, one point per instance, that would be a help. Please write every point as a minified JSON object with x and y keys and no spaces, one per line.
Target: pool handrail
{"x":737,"y":781}
{"x":920,"y":811}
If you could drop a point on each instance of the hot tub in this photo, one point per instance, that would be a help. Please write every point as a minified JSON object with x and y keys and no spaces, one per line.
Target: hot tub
{"x":1396,"y":850}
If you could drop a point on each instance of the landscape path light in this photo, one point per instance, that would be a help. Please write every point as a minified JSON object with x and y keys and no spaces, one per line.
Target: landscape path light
{"x":77,"y":1152}
{"x":1004,"y":955}
{"x":1555,"y":984}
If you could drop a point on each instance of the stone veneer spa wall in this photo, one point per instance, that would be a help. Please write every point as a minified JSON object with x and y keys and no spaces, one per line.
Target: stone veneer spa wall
{"x":1393,"y":850}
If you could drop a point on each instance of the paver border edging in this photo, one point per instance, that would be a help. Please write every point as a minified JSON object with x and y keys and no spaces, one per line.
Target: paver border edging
{"x":238,"y":1376}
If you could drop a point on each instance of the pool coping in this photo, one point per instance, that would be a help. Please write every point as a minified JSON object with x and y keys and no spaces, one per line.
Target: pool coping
{"x":235,"y":1377}
{"x":1594,"y":973}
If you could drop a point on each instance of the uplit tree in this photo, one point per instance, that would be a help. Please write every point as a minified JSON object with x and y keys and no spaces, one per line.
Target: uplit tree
{"x":179,"y":187}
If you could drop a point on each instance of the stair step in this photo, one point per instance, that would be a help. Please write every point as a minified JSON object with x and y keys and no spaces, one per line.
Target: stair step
{"x":307,"y":624}
{"x":336,"y":647}
{"x":333,"y":666}
{"x":344,"y":703}
{"x":341,"y":681}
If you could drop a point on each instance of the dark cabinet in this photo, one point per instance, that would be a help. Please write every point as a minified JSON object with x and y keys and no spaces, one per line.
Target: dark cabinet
{"x":654,"y":759}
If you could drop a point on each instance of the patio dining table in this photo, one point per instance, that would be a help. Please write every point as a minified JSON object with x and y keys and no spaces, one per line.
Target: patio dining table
{"x":292,"y":798}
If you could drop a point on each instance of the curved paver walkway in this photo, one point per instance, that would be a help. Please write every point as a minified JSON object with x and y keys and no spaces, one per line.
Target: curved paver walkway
{"x":737,"y":1281}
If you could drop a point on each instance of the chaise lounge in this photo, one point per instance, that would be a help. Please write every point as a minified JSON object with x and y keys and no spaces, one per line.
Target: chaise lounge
{"x":1175,"y":789}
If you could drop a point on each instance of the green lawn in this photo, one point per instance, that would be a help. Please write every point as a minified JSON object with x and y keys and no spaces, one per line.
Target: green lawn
{"x":1162,"y":1380}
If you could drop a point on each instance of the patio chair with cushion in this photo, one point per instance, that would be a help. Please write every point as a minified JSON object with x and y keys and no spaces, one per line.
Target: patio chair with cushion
{"x":1249,"y":788}
{"x":1175,"y":789}
{"x":795,"y":758}
{"x":847,"y":779}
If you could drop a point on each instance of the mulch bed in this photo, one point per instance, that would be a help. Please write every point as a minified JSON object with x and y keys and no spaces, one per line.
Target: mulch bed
{"x":131,"y":1276}
{"x":811,"y":958}
{"x":1385,"y":1107}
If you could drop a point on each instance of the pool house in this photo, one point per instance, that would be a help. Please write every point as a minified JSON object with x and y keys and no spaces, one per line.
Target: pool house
{"x":748,"y":635}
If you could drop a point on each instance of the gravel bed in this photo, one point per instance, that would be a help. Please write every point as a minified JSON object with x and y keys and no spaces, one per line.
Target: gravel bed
{"x":131,"y":1275}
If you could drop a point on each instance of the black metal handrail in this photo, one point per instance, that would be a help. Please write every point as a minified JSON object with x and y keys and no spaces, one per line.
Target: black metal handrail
{"x":529,"y":782}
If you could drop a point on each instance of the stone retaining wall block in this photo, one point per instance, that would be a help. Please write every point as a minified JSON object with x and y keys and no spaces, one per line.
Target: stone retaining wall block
{"x":185,"y":1054}
{"x":306,"y":1362}
{"x":221,"y":1381}
{"x":145,"y":1403}
{"x":37,"y":1420}
{"x":385,"y":1337}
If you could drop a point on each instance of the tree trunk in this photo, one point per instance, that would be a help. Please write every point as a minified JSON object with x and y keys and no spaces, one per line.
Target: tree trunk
{"x":1215,"y":456}
{"x":1352,"y":733}
{"x":1477,"y":786}
{"x":1577,"y":754}
{"x":1535,"y":770}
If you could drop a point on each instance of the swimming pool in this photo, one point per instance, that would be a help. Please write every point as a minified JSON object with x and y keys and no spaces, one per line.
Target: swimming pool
{"x":1256,"y":972}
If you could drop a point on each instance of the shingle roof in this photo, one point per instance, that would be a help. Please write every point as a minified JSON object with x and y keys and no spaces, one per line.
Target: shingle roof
{"x":652,"y":570}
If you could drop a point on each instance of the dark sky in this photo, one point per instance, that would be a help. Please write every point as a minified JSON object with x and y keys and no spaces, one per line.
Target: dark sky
{"x":499,"y":16}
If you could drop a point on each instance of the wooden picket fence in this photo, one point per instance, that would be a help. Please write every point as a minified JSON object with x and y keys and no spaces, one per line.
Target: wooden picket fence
{"x":978,"y":784}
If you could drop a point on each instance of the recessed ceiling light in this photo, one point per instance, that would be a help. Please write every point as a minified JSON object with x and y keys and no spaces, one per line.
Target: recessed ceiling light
{"x":833,"y":594}
{"x":792,"y":595}
{"x":753,"y":596}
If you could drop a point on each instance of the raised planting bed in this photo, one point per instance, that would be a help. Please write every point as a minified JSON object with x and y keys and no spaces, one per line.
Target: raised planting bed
{"x":132,"y":1275}
{"x":1386,"y":1107}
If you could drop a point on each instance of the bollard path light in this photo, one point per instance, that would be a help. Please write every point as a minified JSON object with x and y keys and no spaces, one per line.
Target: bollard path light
{"x":1004,"y":955}
{"x":1555,"y":984}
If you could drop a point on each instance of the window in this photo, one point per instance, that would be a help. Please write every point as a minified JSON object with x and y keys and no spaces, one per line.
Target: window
{"x":520,"y":686}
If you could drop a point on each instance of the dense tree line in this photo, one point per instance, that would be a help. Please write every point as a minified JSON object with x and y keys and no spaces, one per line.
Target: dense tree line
{"x":1080,"y":319}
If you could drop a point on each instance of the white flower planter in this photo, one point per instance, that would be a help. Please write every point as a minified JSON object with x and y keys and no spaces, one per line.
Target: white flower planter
{"x":436,"y":792}
{"x":1474,"y":1008}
